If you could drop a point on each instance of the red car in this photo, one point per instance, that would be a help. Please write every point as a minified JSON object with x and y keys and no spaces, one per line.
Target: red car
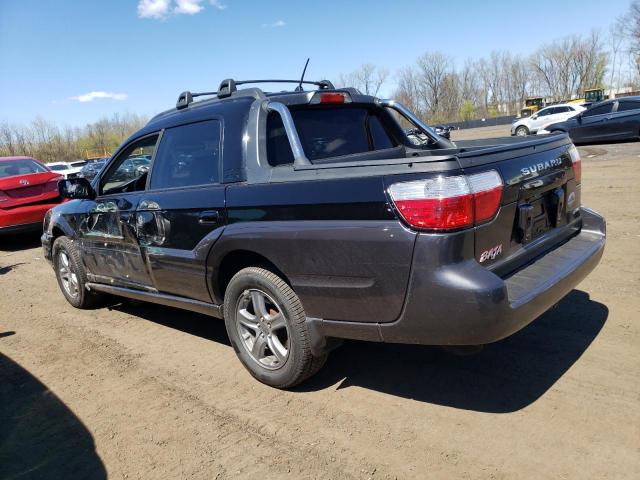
{"x":27,"y":190}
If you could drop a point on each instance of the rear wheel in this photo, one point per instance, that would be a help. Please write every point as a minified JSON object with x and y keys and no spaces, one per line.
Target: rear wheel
{"x":71,"y":274}
{"x":267,"y":327}
{"x":522,"y":131}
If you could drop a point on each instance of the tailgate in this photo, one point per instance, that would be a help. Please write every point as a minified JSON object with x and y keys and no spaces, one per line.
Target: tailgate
{"x":539,"y":207}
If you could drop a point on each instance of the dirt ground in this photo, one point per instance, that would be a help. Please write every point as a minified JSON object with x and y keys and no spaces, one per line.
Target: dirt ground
{"x":139,"y":391}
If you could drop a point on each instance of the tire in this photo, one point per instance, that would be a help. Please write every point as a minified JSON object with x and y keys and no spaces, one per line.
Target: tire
{"x":522,"y":131}
{"x":267,"y":327}
{"x":71,"y":274}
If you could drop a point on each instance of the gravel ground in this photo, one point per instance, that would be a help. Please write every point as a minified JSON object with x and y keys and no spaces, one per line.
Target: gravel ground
{"x":140,"y":391}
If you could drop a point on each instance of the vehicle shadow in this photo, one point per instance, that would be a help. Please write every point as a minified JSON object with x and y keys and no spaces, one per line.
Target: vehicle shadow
{"x":21,"y":241}
{"x":504,"y":377}
{"x":39,"y":436}
{"x":183,"y":320}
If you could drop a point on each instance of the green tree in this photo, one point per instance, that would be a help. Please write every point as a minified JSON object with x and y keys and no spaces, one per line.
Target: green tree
{"x":467,"y":110}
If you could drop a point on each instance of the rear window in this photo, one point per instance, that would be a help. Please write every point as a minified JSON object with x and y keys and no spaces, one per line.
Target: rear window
{"x":327,"y":132}
{"x":58,"y":168}
{"x":10,"y":168}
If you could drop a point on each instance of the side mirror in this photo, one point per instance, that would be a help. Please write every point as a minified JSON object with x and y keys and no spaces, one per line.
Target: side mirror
{"x":74,"y":188}
{"x":535,"y":117}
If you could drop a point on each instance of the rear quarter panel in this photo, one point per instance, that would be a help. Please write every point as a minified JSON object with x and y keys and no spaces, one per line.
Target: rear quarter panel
{"x":337,"y":242}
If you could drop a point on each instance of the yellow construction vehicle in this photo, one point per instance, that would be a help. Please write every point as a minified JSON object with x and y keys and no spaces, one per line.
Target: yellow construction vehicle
{"x":531,"y":106}
{"x":96,"y":153}
{"x":594,"y":95}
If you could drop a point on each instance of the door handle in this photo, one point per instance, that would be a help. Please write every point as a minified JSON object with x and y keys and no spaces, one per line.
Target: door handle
{"x":208,"y":217}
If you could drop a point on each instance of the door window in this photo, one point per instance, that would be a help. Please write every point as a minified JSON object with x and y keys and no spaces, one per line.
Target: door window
{"x":628,"y":105}
{"x":562,"y":110}
{"x":544,"y":112}
{"x":128,"y":172}
{"x":599,"y":110}
{"x":188,"y":155}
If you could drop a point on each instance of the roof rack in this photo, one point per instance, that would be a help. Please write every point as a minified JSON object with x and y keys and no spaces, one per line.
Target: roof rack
{"x":229,"y":86}
{"x":185,"y":98}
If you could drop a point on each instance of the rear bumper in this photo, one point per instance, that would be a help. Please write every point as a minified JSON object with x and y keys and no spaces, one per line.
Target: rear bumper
{"x":24,"y":215}
{"x":463,"y":303}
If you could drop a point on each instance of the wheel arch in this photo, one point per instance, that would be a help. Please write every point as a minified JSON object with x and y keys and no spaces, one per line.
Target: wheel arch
{"x":56,"y":232}
{"x":234,"y":261}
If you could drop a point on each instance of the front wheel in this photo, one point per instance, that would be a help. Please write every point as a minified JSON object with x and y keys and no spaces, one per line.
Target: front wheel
{"x":267,"y":328}
{"x":522,"y":131}
{"x":71,"y":274}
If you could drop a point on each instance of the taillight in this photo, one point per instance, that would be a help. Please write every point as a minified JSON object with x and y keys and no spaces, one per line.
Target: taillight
{"x":576,"y":163}
{"x":330,"y":98}
{"x":52,"y":185}
{"x":486,"y":188}
{"x":448,"y":203}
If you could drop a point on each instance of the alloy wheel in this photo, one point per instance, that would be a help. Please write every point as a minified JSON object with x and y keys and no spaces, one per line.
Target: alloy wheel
{"x":67,"y":275}
{"x":262,"y":328}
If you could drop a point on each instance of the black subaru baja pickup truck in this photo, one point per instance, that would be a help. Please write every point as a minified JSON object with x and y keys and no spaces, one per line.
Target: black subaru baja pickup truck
{"x":306,"y":217}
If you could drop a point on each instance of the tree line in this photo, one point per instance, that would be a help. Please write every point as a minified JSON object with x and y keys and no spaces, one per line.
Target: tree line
{"x":439,"y":90}
{"x":48,"y":142}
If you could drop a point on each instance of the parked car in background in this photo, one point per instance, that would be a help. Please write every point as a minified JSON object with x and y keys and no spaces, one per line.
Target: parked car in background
{"x":75,"y":167}
{"x":92,"y":168}
{"x":617,"y":119}
{"x":132,"y":168}
{"x":63,"y":168}
{"x":27,"y":190}
{"x":67,"y":169}
{"x":443,"y":131}
{"x":419,"y":138}
{"x":554,"y":113}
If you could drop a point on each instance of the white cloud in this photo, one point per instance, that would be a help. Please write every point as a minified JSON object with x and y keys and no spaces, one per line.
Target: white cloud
{"x":217,"y":4}
{"x":188,"y":7}
{"x":276,"y":24}
{"x":161,"y":9}
{"x":91,"y":96}
{"x":153,"y":8}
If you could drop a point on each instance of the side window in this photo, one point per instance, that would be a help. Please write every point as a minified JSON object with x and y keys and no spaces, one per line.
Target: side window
{"x":562,"y":110}
{"x":544,"y":112}
{"x":128,"y":172}
{"x":188,"y":155}
{"x":628,"y":105}
{"x":598,"y":110}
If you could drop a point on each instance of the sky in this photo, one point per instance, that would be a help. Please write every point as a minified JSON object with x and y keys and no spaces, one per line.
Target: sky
{"x":73,"y":62}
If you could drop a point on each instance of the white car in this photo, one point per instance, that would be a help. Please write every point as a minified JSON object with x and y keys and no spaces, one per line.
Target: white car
{"x":551,"y":114}
{"x":67,"y":169}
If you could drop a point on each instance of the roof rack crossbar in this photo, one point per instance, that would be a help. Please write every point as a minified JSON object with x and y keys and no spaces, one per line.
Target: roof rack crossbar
{"x":324,"y":84}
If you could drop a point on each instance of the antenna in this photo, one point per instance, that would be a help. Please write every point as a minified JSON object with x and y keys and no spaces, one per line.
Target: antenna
{"x":299,"y":87}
